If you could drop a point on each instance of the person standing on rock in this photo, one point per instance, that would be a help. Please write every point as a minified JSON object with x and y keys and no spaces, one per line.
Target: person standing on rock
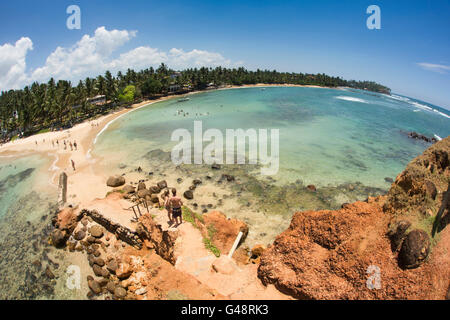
{"x":176,"y":203}
{"x":166,"y":197}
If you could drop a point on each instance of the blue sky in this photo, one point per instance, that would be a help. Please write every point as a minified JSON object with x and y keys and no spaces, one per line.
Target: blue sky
{"x":410,"y":54}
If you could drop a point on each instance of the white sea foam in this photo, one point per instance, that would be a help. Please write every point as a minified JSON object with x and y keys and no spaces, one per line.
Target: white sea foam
{"x":417,"y":105}
{"x":421,"y":106}
{"x":55,"y":170}
{"x":353,"y":99}
{"x":441,"y":113}
{"x":54,"y":167}
{"x":399,"y":98}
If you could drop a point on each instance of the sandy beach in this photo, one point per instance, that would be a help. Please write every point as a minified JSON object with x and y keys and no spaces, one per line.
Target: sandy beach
{"x":87,"y":182}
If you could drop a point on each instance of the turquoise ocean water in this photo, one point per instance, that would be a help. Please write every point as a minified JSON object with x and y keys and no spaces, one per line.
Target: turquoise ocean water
{"x":330,"y":138}
{"x":27,"y":200}
{"x":327,"y":136}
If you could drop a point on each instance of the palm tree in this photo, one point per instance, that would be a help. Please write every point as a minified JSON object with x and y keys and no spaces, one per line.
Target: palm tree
{"x":110,"y":84}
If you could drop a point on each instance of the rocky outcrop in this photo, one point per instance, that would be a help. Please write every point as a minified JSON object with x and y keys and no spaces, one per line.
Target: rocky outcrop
{"x":155,"y":237}
{"x":418,"y":136}
{"x":378,"y":249}
{"x":64,"y":222}
{"x":222,"y":231}
{"x":420,"y":187}
{"x":419,"y":198}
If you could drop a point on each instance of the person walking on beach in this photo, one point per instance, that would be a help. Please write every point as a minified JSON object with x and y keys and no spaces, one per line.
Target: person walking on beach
{"x":176,"y":203}
{"x":65,"y":145}
{"x":71,"y":146}
{"x":75,"y":145}
{"x":73,"y":164}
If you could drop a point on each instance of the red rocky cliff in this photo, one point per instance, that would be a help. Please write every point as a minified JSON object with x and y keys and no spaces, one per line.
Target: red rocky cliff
{"x":380,"y":249}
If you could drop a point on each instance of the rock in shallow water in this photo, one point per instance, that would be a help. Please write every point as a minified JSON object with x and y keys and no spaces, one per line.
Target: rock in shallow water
{"x":58,"y":238}
{"x":189,"y":195}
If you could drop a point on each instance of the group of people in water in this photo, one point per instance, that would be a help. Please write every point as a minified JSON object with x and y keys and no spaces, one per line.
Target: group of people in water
{"x":173,"y":206}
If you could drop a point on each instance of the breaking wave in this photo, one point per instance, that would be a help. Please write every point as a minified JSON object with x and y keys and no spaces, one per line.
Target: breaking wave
{"x":346,"y":98}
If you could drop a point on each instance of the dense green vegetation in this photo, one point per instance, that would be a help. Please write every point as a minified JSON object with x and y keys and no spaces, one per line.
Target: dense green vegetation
{"x":55,"y":105}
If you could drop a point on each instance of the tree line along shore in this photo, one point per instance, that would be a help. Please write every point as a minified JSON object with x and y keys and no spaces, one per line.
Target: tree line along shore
{"x":57,"y":105}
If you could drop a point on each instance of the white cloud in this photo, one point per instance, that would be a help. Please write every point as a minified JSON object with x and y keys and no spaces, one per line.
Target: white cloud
{"x":89,"y":56}
{"x":439,"y":68}
{"x":93,"y":55}
{"x":139,"y":58}
{"x":196,"y":58}
{"x":13,"y":63}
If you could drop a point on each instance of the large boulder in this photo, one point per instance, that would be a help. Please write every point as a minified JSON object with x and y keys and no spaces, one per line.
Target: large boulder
{"x":155,"y":189}
{"x":59,"y":238}
{"x":162,"y":184}
{"x":397,"y":233}
{"x":94,"y":286}
{"x":80,"y":235}
{"x":98,"y":271}
{"x":154,"y":198}
{"x":115,"y":181}
{"x":188,"y":194}
{"x":141,"y":186}
{"x":96,"y":231}
{"x":120,"y":292}
{"x":128,"y":189}
{"x":67,"y":220}
{"x":112,"y":266}
{"x":415,"y":249}
{"x":144,"y":193}
{"x":124,"y":271}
